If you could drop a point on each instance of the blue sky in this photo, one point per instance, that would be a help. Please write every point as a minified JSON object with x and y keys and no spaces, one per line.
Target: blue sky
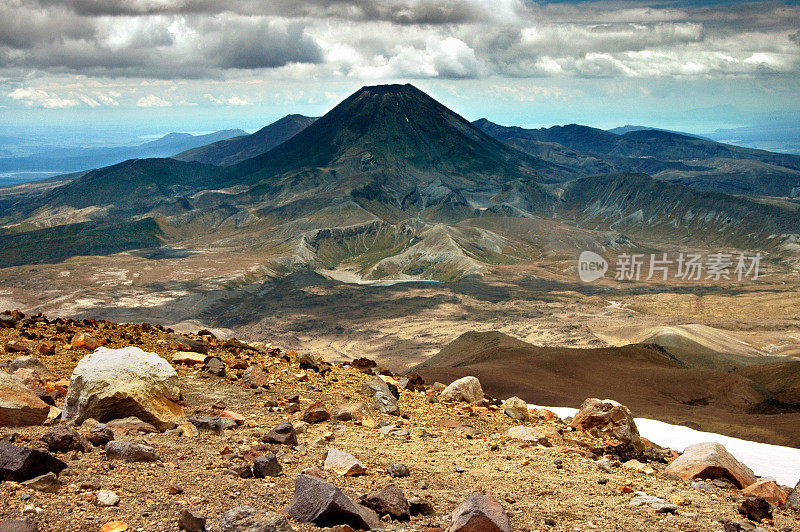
{"x":146,"y":66}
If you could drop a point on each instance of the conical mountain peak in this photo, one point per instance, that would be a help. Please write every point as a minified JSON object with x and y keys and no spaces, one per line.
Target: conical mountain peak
{"x":400,"y":135}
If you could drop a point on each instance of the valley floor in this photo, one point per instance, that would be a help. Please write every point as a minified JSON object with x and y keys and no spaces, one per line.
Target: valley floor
{"x":406,"y":323}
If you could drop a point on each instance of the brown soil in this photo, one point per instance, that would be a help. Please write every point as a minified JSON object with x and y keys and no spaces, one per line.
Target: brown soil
{"x":578,"y":496}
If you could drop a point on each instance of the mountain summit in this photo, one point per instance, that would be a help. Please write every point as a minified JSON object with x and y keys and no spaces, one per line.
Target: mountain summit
{"x":398,"y":139}
{"x":390,"y":183}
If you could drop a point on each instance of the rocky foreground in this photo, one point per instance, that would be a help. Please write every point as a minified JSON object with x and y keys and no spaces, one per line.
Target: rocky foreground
{"x":117,"y":427}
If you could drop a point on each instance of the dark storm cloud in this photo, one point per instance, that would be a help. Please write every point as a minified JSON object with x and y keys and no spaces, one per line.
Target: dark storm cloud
{"x":158,"y":46}
{"x":368,"y":39}
{"x":748,"y":15}
{"x":249,"y":45}
{"x":24,"y":25}
{"x":398,"y":11}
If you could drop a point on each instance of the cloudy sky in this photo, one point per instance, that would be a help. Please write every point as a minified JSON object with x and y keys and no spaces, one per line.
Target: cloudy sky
{"x":209,"y":64}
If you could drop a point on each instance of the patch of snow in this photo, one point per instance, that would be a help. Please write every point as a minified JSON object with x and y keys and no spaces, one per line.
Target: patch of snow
{"x":780,"y":463}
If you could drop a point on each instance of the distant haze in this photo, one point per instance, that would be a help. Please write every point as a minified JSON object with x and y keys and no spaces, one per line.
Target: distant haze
{"x":78,"y":70}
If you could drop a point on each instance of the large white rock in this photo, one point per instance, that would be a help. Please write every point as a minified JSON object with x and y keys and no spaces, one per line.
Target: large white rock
{"x":18,"y":405}
{"x":464,"y":389}
{"x":118,"y":383}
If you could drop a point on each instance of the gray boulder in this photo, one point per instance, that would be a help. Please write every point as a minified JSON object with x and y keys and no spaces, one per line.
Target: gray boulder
{"x":47,"y":483}
{"x":793,"y":501}
{"x":464,"y":389}
{"x":343,"y":463}
{"x":19,"y":525}
{"x":386,"y":403}
{"x":522,"y":432}
{"x":33,"y":363}
{"x":375,"y":384}
{"x":389,"y":501}
{"x":131,"y":452}
{"x":249,"y":519}
{"x":710,"y":461}
{"x":320,"y":502}
{"x":266,"y":466}
{"x":283,"y":434}
{"x":516,"y":408}
{"x":20,"y":463}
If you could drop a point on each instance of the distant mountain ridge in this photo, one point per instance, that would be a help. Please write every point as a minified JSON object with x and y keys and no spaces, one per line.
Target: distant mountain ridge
{"x":234,"y":150}
{"x":81,"y":159}
{"x":391,"y":183}
{"x":693,"y":161}
{"x":621,"y":130}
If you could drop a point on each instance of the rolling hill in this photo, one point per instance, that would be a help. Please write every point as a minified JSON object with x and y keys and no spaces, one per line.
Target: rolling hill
{"x":649,"y":379}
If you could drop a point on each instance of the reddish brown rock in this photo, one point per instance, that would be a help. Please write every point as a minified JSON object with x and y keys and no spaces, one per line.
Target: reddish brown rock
{"x":32,"y":363}
{"x":255,"y":377}
{"x":767,"y":490}
{"x":85,"y":341}
{"x":19,"y":406}
{"x":350,"y":411}
{"x":15,"y":347}
{"x":755,"y":509}
{"x":283,"y":434}
{"x":543,"y":413}
{"x":33,"y":379}
{"x":316,"y":413}
{"x":364,"y":365}
{"x":236,"y":416}
{"x":480,"y":513}
{"x":710,"y":460}
{"x":608,"y":418}
{"x":46,"y":348}
{"x":62,"y":438}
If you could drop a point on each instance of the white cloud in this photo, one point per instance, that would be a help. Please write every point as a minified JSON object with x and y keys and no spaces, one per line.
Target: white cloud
{"x":88,"y":100}
{"x":237,"y":100}
{"x":40,"y":98}
{"x":108,"y":99}
{"x":324,"y":40}
{"x":231,"y":100}
{"x":151,"y":100}
{"x":446,"y":58}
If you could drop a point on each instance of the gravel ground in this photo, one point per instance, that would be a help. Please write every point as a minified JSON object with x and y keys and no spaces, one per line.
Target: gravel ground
{"x":452,"y":450}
